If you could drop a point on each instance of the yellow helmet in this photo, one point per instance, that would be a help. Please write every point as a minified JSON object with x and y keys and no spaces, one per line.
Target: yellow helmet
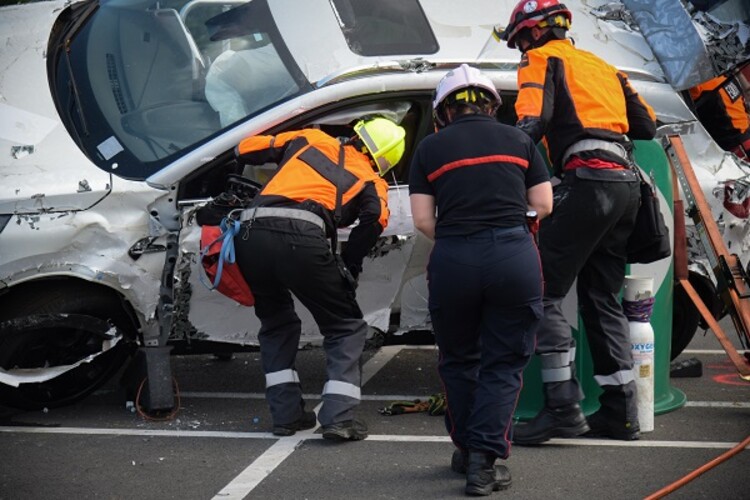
{"x":384,"y":141}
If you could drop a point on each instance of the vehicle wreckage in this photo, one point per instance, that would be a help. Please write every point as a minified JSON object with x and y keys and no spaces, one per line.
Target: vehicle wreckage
{"x":119,"y":120}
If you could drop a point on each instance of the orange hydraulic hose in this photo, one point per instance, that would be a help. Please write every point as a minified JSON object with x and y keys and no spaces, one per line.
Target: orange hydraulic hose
{"x":700,"y":470}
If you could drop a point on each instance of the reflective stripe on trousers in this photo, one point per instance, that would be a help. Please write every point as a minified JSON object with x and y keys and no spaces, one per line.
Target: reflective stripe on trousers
{"x":618,"y":378}
{"x":282,"y":377}
{"x":556,"y":366}
{"x":342,"y":388}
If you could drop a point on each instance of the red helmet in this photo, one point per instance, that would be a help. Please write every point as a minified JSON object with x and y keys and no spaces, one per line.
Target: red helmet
{"x":530,"y":13}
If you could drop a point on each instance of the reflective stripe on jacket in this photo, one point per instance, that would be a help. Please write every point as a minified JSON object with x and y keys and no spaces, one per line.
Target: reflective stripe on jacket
{"x":308,"y":169}
{"x":307,"y":176}
{"x":567,"y":95}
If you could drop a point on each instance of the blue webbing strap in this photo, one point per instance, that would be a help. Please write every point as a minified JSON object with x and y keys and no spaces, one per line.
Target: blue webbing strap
{"x":229,"y":229}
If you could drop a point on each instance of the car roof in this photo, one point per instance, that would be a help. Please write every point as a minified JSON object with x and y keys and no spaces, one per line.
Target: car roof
{"x":315,"y":33}
{"x":463,"y":31}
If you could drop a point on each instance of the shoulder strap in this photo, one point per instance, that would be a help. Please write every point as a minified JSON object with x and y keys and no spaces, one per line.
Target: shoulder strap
{"x":339,"y":196}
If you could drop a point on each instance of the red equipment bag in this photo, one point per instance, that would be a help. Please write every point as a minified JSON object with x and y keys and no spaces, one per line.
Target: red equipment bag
{"x":230,"y":280}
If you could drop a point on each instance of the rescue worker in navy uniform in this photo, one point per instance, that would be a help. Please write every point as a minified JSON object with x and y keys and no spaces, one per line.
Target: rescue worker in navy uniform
{"x":484,"y":274}
{"x":720,"y":106}
{"x":586,"y":112}
{"x":282,"y":249}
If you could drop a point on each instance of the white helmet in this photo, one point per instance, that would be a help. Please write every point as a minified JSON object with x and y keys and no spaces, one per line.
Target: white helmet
{"x":462,"y":77}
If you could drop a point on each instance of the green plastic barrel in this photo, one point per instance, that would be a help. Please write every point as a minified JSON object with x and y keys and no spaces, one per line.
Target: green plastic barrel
{"x":651,"y":157}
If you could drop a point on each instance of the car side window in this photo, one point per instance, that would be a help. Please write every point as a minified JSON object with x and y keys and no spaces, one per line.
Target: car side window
{"x":413,"y":114}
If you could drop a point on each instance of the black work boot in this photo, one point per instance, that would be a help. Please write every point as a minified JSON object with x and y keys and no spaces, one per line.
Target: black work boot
{"x":458,"y":461}
{"x":566,"y":421}
{"x":603,"y":427}
{"x":306,"y":421}
{"x":349,"y":430}
{"x":458,"y":464}
{"x":483,"y":476}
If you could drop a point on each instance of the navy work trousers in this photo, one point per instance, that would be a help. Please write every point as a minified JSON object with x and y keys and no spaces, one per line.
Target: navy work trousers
{"x":281,"y":257}
{"x":486,"y":304}
{"x":585,"y":238}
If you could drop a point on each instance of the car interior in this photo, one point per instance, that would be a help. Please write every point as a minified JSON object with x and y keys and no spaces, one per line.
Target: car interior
{"x":414,"y":113}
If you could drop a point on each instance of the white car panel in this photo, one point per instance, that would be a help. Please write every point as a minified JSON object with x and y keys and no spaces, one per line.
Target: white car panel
{"x":63,"y":217}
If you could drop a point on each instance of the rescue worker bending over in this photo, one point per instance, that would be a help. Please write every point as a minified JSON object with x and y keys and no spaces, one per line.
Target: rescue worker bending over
{"x":282,"y":249}
{"x":484,"y":274}
{"x":720,"y":105}
{"x":585,"y":110}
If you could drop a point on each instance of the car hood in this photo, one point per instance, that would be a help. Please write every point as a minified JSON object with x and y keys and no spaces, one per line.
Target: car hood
{"x":41,"y":168}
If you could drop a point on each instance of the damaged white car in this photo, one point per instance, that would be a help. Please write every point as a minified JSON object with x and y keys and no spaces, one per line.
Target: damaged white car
{"x":118,"y":119}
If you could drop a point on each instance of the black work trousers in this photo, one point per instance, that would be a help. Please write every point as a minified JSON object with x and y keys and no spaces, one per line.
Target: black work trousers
{"x":585,"y":238}
{"x":485,"y":303}
{"x":280,"y":257}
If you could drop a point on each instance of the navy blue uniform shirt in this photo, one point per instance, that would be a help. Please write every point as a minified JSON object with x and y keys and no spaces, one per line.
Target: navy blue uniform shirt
{"x":478,"y":170}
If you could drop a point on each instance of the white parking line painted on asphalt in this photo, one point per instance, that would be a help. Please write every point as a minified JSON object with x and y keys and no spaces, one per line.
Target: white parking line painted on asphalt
{"x":258,"y":470}
{"x":307,"y":397}
{"x":717,"y":404}
{"x":643,"y":443}
{"x":573,"y":442}
{"x":704,"y":351}
{"x":136,"y":432}
{"x":407,"y":397}
{"x":264,"y":465}
{"x":233,"y":395}
{"x":378,"y":361}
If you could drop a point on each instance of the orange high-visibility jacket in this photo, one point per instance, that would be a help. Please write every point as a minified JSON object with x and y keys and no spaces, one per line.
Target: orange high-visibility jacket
{"x":567,"y":95}
{"x":720,"y":106}
{"x":307,"y":177}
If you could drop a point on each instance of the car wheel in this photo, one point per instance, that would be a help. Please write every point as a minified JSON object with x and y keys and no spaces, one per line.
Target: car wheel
{"x":685,"y":319}
{"x":685,"y":316}
{"x":57,"y":327}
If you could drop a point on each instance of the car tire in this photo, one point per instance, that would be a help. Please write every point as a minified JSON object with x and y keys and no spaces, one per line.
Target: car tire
{"x":685,"y":316}
{"x":34,"y":341}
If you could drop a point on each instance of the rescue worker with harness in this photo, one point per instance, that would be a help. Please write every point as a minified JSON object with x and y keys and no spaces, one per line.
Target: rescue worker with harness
{"x":471,"y":185}
{"x":585,"y":111}
{"x":283,"y":249}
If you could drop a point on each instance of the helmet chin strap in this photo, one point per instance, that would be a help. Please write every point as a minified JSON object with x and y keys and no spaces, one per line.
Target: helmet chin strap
{"x":357,"y":143}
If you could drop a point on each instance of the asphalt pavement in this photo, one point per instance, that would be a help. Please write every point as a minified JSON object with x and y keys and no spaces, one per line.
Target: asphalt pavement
{"x":218,"y":444}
